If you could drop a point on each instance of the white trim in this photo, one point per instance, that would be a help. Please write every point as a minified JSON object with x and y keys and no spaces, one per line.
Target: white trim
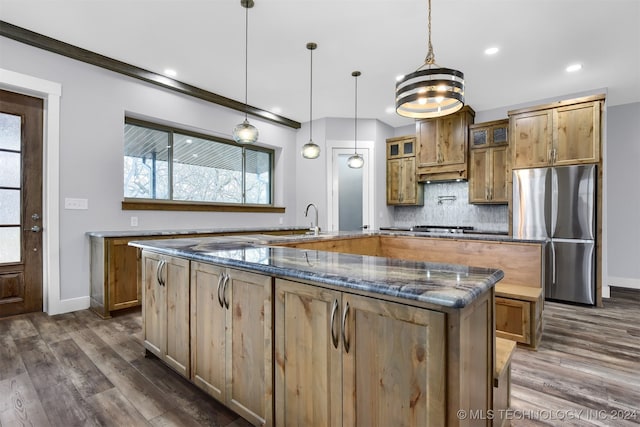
{"x":50,"y":92}
{"x":623,"y":282}
{"x":368,"y":153}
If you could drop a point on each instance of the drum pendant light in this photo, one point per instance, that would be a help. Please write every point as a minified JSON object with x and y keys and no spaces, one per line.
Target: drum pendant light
{"x":245,"y":132}
{"x":430,"y":91}
{"x":356,"y":161}
{"x":311,"y":150}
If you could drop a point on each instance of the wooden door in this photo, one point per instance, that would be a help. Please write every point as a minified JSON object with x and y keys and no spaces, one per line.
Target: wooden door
{"x":576,"y":134}
{"x":399,"y":381}
{"x":394,"y":167}
{"x":479,"y":175}
{"x":153,"y":309}
{"x":174,"y":273}
{"x":308,"y":356}
{"x":531,"y":139}
{"x":208,"y":326}
{"x":249,"y":348}
{"x":427,"y":150}
{"x":21,"y":199}
{"x":452,"y":134}
{"x":499,"y":175}
{"x":408,"y":187}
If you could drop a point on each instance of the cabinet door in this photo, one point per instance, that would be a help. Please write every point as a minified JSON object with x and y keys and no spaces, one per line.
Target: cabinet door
{"x":398,"y":381}
{"x":308,"y":356}
{"x":427,"y":152}
{"x":479,"y":175}
{"x":123,"y":275}
{"x":577,"y":134}
{"x":408,"y":187}
{"x":175,"y":273}
{"x":452,"y":135}
{"x":208,"y":318}
{"x":531,"y":141}
{"x":153,"y":310}
{"x":249,"y":347}
{"x":513,"y":319}
{"x":393,"y":181}
{"x":498,"y":185}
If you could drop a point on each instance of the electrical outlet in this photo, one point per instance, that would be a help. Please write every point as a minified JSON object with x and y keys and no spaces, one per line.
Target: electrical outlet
{"x":134,"y":221}
{"x":81,"y":204}
{"x":281,"y":220}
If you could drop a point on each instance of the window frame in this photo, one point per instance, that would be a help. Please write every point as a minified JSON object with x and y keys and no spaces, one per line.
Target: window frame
{"x":135,"y":203}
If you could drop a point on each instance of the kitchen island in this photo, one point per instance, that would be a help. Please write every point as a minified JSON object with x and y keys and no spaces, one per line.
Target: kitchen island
{"x":293,"y":336}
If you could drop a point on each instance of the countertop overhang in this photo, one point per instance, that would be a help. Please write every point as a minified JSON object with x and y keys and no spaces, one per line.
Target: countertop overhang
{"x":413,"y":282}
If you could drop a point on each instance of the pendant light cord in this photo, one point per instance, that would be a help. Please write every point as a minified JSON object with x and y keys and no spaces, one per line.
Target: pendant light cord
{"x":311,"y":96}
{"x":246,"y":59}
{"x":356,"y":120}
{"x":431,"y":58}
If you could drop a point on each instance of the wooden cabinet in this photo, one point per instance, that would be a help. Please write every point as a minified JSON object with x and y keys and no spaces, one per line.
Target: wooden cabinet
{"x":563,"y":133}
{"x":519,"y":313}
{"x":488,"y":162}
{"x":402,"y":187}
{"x":441,"y":152}
{"x":231,"y":328}
{"x":166,"y":309}
{"x":347,"y":360}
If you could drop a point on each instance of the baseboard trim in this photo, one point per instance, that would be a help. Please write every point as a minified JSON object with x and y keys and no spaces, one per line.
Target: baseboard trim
{"x":624,"y":282}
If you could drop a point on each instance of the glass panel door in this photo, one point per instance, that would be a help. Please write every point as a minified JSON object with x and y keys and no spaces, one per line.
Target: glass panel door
{"x":10,"y":189}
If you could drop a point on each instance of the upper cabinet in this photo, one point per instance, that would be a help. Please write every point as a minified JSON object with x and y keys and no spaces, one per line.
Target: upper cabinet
{"x":441,"y":152}
{"x":488,"y":162}
{"x":562,"y":133}
{"x":402,"y":187}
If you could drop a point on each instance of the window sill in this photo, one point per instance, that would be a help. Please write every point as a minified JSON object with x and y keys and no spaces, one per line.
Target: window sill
{"x":170,"y":205}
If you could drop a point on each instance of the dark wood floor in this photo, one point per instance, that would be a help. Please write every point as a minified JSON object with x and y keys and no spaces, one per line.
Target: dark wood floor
{"x":78,"y":370}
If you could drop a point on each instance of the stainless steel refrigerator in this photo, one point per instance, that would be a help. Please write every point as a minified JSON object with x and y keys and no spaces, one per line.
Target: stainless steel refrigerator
{"x":558,"y":204}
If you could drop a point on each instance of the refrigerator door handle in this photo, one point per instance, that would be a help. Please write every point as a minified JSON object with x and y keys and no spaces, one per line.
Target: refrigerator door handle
{"x":554,"y":275}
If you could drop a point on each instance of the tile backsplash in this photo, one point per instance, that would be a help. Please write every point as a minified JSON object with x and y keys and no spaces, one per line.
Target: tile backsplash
{"x":452,"y":212}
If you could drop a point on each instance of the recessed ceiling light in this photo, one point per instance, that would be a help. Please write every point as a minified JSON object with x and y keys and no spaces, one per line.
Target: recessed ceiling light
{"x":169,"y":72}
{"x":491,"y":51}
{"x":574,"y":67}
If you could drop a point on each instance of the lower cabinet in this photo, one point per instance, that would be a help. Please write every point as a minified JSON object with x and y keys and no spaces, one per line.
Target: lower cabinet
{"x":231,"y":348}
{"x":347,"y":360}
{"x":166,"y":309}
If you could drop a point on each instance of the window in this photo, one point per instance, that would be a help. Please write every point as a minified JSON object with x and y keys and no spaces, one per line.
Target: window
{"x":163,"y":163}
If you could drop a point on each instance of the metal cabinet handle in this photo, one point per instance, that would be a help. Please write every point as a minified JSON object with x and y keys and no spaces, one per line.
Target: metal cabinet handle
{"x":345,"y":342}
{"x":163,"y":272}
{"x":554,"y":277}
{"x":334,"y":336}
{"x":158,"y":273}
{"x":219,"y":286}
{"x":34,"y":229}
{"x":224,"y":291}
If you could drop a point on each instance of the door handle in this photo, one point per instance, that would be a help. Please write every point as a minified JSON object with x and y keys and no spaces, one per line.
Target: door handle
{"x":162,"y":274}
{"x":224,"y":291}
{"x":345,"y":342}
{"x":553,"y":264}
{"x":35,"y":229}
{"x":334,"y":336}
{"x":220,"y":286}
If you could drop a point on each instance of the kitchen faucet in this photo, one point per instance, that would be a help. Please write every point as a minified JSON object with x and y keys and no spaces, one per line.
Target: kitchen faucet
{"x":315,"y":228}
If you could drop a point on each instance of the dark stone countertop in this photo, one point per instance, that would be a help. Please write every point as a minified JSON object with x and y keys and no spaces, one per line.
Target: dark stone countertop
{"x":146,"y":233}
{"x":418,"y":283}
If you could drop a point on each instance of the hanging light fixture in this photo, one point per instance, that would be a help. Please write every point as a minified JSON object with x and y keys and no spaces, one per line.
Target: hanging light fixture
{"x":311,"y":150}
{"x":245,"y":132}
{"x":430,"y":91}
{"x":356,"y":161}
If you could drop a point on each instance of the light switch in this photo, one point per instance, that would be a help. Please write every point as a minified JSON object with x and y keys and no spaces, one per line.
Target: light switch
{"x":134,"y":221}
{"x":81,"y":204}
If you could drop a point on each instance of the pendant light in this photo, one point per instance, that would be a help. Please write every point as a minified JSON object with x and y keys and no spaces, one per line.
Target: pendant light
{"x":245,"y":132}
{"x":430,"y":91}
{"x":311,"y":150}
{"x":356,"y":161}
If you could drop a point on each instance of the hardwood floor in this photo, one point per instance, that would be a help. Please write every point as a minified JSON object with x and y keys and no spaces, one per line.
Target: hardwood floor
{"x":76,"y":369}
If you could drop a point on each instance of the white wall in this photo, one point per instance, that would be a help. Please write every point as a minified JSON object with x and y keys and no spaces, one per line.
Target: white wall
{"x":93,"y":105}
{"x":623,"y":195}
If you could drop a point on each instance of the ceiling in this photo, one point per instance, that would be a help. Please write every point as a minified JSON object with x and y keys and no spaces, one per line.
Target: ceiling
{"x":203,"y":40}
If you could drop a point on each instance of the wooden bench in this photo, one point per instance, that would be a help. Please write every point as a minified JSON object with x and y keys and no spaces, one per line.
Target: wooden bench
{"x":519,"y":313}
{"x":502,"y":381}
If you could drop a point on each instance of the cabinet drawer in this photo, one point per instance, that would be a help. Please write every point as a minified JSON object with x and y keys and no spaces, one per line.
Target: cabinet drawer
{"x":513,"y":319}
